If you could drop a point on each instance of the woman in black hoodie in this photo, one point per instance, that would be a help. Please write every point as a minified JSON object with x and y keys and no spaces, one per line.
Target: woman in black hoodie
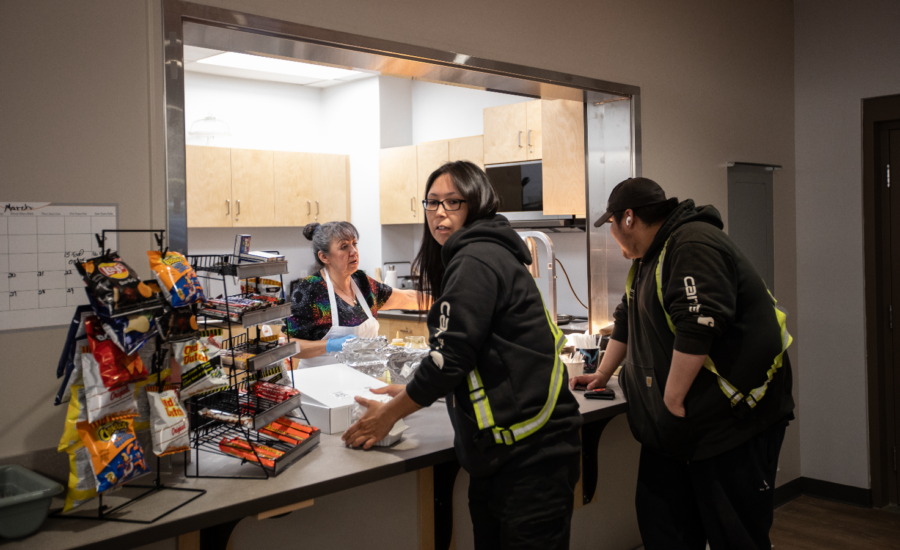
{"x":495,"y":357}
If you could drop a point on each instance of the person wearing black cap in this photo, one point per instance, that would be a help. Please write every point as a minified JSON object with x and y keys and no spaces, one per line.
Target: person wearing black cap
{"x":705,"y":371}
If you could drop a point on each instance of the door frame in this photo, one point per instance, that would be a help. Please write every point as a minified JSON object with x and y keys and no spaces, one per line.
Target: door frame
{"x":880,"y":402}
{"x":612,"y":111}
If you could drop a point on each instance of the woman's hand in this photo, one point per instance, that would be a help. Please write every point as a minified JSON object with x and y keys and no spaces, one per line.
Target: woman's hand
{"x":371,"y":428}
{"x":337,"y":344}
{"x":391,"y":389}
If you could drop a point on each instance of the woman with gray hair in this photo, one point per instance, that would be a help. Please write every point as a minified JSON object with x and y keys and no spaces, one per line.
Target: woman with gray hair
{"x":339,"y":301}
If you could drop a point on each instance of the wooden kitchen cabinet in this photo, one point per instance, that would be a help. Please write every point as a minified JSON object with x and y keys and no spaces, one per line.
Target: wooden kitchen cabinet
{"x":311,"y":187}
{"x":332,"y":199}
{"x":548,"y":130}
{"x":295,"y":187}
{"x":398,"y":175}
{"x":208,"y":186}
{"x":563,"y":154}
{"x":513,"y":133}
{"x":253,"y":187}
{"x":504,"y":134}
{"x":391,"y":327}
{"x":533,"y":126}
{"x":429,"y":157}
{"x":467,"y":148}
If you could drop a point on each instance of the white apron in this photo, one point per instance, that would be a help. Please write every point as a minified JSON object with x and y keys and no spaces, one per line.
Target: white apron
{"x":369,"y":328}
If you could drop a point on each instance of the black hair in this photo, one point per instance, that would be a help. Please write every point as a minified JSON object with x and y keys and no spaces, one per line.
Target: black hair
{"x":482,"y":202}
{"x":652,"y":213}
{"x":322,"y":235}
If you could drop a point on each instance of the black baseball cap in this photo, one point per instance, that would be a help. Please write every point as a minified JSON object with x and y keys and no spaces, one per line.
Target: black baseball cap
{"x":633,"y":193}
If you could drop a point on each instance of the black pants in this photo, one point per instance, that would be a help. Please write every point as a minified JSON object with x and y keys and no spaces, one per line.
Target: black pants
{"x":525,"y":507}
{"x":725,"y":500}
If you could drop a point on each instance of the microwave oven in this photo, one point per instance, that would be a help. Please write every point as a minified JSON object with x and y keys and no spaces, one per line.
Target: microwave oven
{"x":520,"y":186}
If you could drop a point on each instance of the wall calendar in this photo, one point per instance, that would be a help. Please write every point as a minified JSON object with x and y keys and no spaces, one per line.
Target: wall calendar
{"x":39,"y":245}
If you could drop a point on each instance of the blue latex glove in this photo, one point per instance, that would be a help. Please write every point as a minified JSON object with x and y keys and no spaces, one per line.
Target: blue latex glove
{"x":337,"y":344}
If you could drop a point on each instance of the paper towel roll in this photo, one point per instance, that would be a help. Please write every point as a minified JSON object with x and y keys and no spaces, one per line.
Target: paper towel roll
{"x":390,"y":279}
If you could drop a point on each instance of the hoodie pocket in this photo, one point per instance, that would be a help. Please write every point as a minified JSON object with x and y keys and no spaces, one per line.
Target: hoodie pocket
{"x":674,"y":434}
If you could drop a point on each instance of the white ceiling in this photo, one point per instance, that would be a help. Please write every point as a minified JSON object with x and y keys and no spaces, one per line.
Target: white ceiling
{"x":192,"y":54}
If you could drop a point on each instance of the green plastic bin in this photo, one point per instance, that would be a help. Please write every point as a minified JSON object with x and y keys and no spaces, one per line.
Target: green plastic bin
{"x":24,"y":500}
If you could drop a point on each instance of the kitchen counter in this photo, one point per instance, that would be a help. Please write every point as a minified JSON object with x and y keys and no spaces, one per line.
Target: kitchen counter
{"x":399,"y":314}
{"x":327,"y":469}
{"x":568,"y":328}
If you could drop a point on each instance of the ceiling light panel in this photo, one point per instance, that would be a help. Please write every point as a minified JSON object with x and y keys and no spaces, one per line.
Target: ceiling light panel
{"x":277,"y":66}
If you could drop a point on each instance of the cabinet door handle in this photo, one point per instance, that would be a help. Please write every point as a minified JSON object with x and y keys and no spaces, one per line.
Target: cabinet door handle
{"x":520,"y":138}
{"x":412,"y":204}
{"x":308,"y":208}
{"x":405,"y":330}
{"x":239,"y":207}
{"x":317,"y":210}
{"x":528,"y":139}
{"x":228,"y":206}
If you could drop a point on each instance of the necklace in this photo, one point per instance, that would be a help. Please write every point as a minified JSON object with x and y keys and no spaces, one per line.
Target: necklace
{"x":347,"y":295}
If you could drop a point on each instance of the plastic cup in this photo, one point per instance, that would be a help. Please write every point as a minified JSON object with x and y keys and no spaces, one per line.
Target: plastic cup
{"x":574,"y":368}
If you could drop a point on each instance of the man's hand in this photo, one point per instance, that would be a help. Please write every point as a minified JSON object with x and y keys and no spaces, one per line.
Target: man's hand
{"x":675,"y":407}
{"x":391,"y":389}
{"x":682,"y":373}
{"x":592,"y":381}
{"x":371,"y":428}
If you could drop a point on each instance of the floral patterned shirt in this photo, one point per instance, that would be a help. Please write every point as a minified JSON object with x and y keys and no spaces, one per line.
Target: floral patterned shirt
{"x":311,"y":310}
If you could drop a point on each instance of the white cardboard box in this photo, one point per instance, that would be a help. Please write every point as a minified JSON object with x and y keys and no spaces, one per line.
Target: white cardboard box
{"x":327,"y":394}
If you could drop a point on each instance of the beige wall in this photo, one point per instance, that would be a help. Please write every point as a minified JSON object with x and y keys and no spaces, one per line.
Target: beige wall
{"x":80,"y":122}
{"x":845,"y":52}
{"x":80,"y":114}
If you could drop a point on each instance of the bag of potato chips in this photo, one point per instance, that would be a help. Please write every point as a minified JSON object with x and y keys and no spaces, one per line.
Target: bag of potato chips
{"x":176,"y":277}
{"x":82,"y":485}
{"x":169,"y":423}
{"x":116,"y":367}
{"x":116,"y":287}
{"x":116,"y":455}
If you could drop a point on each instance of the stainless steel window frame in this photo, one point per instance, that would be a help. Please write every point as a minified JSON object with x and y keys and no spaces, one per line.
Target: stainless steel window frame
{"x":612,"y":110}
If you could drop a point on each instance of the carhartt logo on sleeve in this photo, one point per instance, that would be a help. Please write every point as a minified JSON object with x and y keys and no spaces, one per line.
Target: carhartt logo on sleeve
{"x":444,"y":320}
{"x":706,"y":321}
{"x":690,"y":288}
{"x":649,"y":381}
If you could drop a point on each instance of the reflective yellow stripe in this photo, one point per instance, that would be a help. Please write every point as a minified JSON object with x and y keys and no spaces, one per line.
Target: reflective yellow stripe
{"x":479,"y":401}
{"x":481,"y":404}
{"x":662,"y":257}
{"x":734,"y":396}
{"x":629,"y":281}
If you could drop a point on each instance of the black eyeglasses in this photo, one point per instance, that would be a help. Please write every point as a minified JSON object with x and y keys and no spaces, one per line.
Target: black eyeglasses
{"x":449,"y":205}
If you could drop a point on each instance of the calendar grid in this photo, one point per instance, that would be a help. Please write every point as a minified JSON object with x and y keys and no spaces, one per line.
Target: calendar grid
{"x":39,"y":245}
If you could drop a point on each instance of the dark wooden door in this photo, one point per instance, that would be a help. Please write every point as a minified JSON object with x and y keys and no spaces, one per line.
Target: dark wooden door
{"x":889,"y":156}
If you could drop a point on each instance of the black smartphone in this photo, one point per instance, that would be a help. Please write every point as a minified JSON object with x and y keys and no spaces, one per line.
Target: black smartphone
{"x":604,"y":393}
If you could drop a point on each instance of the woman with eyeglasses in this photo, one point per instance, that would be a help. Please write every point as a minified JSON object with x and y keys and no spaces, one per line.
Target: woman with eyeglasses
{"x":495,"y":357}
{"x":339,"y":301}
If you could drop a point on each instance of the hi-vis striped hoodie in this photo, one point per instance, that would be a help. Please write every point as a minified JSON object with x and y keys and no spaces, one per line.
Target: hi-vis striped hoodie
{"x":490,"y":316}
{"x":720,"y":307}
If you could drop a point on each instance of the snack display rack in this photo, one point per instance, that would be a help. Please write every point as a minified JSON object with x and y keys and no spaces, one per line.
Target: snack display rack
{"x":248,"y":413}
{"x":104,"y":512}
